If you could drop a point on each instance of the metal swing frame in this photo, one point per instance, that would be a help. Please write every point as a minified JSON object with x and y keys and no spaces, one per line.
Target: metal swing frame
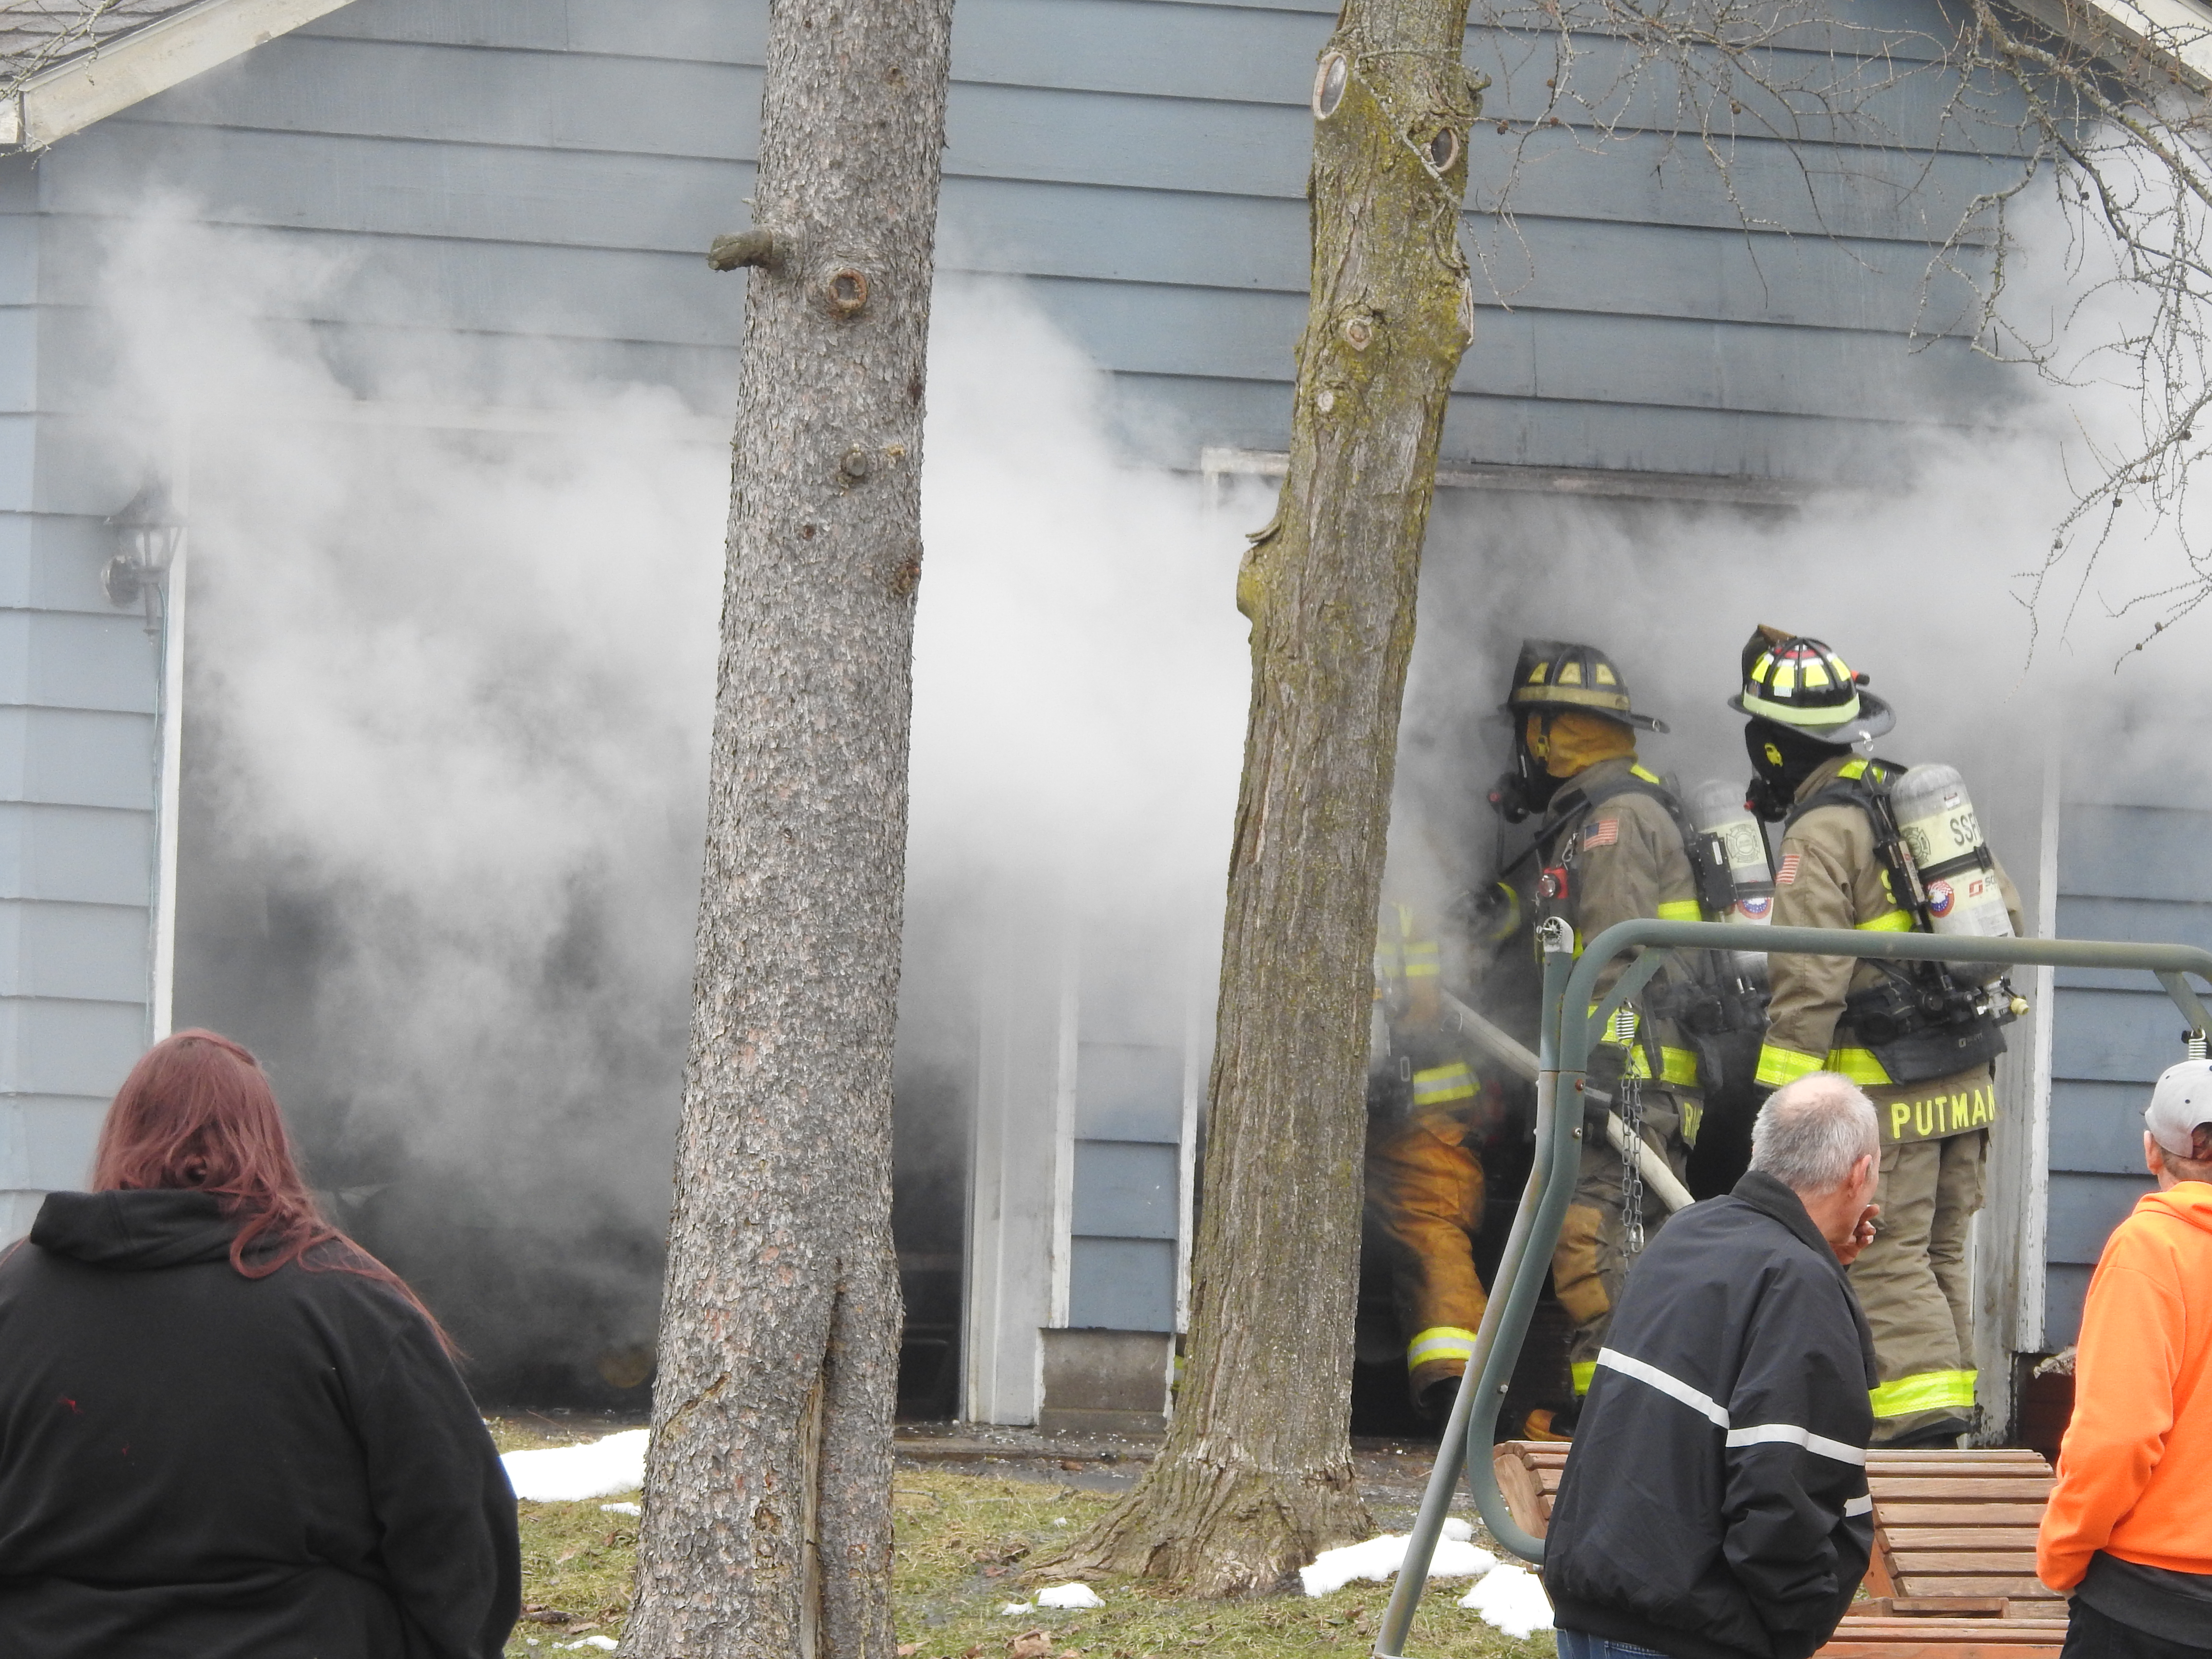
{"x":1573,"y":1016}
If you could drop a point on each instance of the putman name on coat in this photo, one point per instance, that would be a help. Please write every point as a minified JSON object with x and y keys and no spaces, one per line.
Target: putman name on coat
{"x":1946,"y":1112}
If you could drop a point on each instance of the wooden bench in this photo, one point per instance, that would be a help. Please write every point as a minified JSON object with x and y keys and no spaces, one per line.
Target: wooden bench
{"x":1953,"y":1566}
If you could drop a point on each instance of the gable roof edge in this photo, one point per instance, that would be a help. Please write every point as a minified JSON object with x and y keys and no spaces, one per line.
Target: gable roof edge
{"x":135,"y":66}
{"x":2177,"y":31}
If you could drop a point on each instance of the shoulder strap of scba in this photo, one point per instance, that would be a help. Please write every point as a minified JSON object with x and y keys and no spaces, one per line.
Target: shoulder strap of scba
{"x":1856,"y":785}
{"x":1709,"y":867}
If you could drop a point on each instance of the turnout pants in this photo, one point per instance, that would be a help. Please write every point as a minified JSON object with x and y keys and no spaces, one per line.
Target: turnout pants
{"x":1589,"y":1266}
{"x":1912,"y":1283}
{"x":1425,"y":1195}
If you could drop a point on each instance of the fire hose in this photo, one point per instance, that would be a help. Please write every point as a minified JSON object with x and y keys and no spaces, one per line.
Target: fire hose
{"x":1500,"y":1044}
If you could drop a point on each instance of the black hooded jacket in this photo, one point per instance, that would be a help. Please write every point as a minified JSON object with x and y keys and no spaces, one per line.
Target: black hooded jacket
{"x":198,"y":1465}
{"x":1714,"y":1504}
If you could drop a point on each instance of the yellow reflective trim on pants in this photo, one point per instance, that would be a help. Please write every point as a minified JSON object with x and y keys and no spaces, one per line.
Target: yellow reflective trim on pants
{"x":1895,"y":921}
{"x":1583,"y":1371}
{"x":1439,"y":1342}
{"x":1859,"y":1065}
{"x":1925,"y":1391}
{"x":1677,"y":1065}
{"x":1440,"y":1084}
{"x":1779,"y":1066}
{"x":1681,"y":910}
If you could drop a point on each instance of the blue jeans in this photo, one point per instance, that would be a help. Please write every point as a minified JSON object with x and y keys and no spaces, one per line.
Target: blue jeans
{"x":1573,"y":1645}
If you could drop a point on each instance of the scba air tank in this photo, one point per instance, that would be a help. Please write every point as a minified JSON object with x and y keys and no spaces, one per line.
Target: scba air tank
{"x":1935,"y":817}
{"x":1717,"y":809}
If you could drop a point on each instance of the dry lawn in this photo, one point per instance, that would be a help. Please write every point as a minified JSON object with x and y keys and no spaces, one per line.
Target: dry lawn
{"x":966,"y":1544}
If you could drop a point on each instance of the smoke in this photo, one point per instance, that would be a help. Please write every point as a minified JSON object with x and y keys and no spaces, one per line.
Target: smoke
{"x":1933,"y":583}
{"x":452,"y":623}
{"x":450,"y":673}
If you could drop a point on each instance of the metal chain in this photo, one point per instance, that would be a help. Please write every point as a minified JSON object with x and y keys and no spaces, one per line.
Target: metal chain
{"x":1632,"y":1168}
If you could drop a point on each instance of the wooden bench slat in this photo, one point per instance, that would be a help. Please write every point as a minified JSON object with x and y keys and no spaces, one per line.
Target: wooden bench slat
{"x":1900,"y":1536}
{"x":1932,"y":1513}
{"x":2019,"y":1587}
{"x":1918,"y":1643}
{"x":1926,"y":1561}
{"x":1960,"y":1488}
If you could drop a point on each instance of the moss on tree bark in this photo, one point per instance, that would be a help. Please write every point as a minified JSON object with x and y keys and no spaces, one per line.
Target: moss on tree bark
{"x":1256,"y":1474}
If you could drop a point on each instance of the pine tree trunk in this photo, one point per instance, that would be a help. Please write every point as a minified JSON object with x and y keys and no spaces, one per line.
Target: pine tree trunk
{"x":1257,"y":1475}
{"x":766,"y":1529}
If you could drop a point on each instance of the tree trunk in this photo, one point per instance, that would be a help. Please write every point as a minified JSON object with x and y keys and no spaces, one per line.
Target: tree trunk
{"x":1256,"y":1474}
{"x":767,"y":1527}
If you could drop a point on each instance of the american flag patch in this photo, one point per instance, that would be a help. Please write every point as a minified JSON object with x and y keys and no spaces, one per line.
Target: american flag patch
{"x":1788,"y":872}
{"x":1603,"y":833}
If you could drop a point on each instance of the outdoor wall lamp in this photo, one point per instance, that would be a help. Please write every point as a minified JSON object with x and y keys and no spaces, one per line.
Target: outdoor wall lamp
{"x":148,"y":534}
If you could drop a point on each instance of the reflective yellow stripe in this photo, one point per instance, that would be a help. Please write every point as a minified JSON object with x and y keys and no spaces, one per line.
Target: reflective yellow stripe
{"x":1620,"y":1028}
{"x":1442,"y":1082}
{"x":1439,"y":1342}
{"x":1582,"y":1370}
{"x":1925,"y":1391}
{"x":1852,"y":769}
{"x":1420,"y":958}
{"x":1859,"y":1065}
{"x":1779,"y":1066}
{"x":1648,"y":777}
{"x":1678,"y":1066}
{"x":1897,"y":921}
{"x":1681,"y":910}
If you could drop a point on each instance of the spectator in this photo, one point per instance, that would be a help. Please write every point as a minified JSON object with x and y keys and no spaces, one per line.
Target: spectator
{"x":1714,"y":1504}
{"x":2128,"y":1529}
{"x":226,"y":1431}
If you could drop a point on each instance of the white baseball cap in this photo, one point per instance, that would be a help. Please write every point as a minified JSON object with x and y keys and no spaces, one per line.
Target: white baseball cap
{"x":2182,"y":1100}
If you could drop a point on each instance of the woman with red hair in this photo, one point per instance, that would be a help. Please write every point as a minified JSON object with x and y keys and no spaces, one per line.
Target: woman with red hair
{"x":227,"y":1431}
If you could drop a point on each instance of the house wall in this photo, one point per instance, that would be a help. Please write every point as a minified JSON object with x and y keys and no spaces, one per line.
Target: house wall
{"x":2124,"y":873}
{"x":79,"y":683}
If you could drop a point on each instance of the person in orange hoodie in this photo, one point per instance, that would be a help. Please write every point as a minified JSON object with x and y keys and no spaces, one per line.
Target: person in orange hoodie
{"x":2128,"y":1529}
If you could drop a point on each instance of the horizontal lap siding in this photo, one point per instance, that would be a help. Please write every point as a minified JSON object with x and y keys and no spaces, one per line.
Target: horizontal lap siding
{"x":556,"y":171}
{"x":2136,"y":873}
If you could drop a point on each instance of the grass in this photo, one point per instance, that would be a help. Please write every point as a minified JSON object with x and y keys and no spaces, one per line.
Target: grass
{"x":966,"y":1544}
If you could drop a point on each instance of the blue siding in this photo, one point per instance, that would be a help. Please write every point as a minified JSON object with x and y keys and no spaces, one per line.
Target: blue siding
{"x":2124,"y":873}
{"x":1149,"y":156}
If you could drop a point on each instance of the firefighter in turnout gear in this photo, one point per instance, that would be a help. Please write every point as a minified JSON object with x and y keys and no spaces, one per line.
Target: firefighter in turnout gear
{"x":1918,"y":1040}
{"x":1612,"y":847}
{"x":1427,"y":1113}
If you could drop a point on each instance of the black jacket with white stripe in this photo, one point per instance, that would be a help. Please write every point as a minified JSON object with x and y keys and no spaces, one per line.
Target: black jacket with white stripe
{"x":1715,"y":1504}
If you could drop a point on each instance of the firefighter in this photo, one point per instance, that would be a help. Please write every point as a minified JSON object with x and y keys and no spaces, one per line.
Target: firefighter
{"x":1427,"y":1112}
{"x":1612,"y":847}
{"x":1918,"y":1042}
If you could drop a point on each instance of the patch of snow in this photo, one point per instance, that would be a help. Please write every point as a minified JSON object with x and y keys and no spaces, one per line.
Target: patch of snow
{"x":1511,"y":1598}
{"x":620,"y":1508}
{"x":1059,"y":1520}
{"x":1379,"y":1558}
{"x":603,"y":1643}
{"x":561,"y":1475}
{"x":1069,"y":1595}
{"x":1013,"y":1608}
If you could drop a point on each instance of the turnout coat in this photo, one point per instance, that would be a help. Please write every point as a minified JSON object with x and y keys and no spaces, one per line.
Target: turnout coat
{"x":199,"y":1465}
{"x":1715,"y":1504}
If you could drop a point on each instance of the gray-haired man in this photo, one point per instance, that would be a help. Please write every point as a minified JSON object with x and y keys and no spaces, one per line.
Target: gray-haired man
{"x":1715,"y":1504}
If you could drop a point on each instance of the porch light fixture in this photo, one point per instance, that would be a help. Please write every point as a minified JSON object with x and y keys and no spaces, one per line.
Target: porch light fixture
{"x":148,"y":532}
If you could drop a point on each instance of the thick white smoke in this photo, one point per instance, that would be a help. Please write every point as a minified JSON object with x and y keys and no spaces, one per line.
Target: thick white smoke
{"x":450,"y":673}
